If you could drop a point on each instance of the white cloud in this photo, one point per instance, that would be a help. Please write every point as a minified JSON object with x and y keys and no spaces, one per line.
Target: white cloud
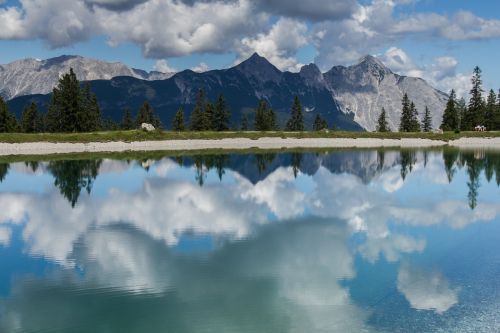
{"x":426,"y":290}
{"x":200,"y":68}
{"x":163,"y":66}
{"x":278,"y":45}
{"x":5,"y":235}
{"x":441,"y":74}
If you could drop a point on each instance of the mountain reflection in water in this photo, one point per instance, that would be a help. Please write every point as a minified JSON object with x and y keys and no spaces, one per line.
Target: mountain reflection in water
{"x":342,"y":241}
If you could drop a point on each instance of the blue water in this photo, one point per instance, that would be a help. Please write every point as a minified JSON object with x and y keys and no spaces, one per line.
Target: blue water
{"x":340,"y":241}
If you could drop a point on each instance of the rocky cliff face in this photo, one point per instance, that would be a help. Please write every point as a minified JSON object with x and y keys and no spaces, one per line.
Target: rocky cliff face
{"x":365,"y":88}
{"x":32,"y":76}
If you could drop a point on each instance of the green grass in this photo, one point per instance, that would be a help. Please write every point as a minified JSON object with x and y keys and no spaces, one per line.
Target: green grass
{"x":136,"y":135}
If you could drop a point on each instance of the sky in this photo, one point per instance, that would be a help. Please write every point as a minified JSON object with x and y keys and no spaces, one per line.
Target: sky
{"x":440,"y":41}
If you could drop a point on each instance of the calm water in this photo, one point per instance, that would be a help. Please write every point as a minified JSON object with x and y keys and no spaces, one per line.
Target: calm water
{"x":346,"y":241}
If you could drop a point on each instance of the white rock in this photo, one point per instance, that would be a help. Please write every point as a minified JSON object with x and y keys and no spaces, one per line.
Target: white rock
{"x":147,"y":127}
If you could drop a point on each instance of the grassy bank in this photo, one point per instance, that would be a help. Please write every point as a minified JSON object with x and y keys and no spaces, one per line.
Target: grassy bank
{"x":130,"y":136}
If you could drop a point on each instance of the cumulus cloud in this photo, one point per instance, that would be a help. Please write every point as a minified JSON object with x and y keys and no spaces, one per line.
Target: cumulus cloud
{"x":426,"y":290}
{"x":116,"y":4}
{"x":5,"y":235}
{"x":377,"y":24}
{"x":441,"y":73}
{"x":200,"y":68}
{"x":163,"y":66}
{"x":278,"y":45}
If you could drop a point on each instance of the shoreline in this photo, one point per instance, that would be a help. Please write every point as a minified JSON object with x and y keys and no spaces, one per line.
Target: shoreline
{"x":49,"y":148}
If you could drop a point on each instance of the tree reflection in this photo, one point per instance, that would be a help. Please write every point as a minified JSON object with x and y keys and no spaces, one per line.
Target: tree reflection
{"x":450,"y":157}
{"x":4,"y":170}
{"x":296,"y":161}
{"x":263,"y":161}
{"x":73,"y":176}
{"x":408,"y":159}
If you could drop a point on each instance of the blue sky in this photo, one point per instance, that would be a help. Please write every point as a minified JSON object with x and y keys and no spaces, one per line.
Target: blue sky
{"x":440,"y":41}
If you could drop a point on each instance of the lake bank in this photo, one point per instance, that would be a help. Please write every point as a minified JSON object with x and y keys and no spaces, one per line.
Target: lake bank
{"x":47,"y":148}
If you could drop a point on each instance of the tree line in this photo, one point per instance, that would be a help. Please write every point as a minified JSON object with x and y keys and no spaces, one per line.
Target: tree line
{"x":74,"y":108}
{"x":457,"y":116}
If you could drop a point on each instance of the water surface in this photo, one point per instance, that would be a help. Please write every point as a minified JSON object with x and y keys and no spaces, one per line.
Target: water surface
{"x":340,"y":241}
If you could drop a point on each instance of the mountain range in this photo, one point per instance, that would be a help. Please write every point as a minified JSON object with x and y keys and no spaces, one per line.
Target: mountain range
{"x":348,"y":97}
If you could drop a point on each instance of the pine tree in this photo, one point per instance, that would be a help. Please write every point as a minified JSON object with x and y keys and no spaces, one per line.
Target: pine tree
{"x":89,"y":114}
{"x":475,"y":113}
{"x":72,"y":108}
{"x":244,"y":123}
{"x":197,"y":116}
{"x":29,"y":118}
{"x":450,"y":116}
{"x":427,"y":122}
{"x":261,"y":118}
{"x":490,"y":111}
{"x":462,"y":112}
{"x":415,"y":122}
{"x":221,"y":115}
{"x":497,"y":115}
{"x":209,"y":117}
{"x":127,"y":123}
{"x":8,"y":122}
{"x":147,"y":115}
{"x":406,"y":115}
{"x":319,"y":123}
{"x":178,"y":121}
{"x":382,"y":124}
{"x":272,"y":123}
{"x":296,"y":121}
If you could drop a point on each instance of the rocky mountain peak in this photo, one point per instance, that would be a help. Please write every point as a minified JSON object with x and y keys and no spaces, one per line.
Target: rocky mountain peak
{"x":311,"y":74}
{"x":259,"y":68}
{"x":373,"y":64}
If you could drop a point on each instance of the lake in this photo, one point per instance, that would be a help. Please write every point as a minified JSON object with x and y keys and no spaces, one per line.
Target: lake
{"x":324,"y":241}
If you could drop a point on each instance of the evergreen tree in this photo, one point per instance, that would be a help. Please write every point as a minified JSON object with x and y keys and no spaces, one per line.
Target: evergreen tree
{"x":29,"y":118}
{"x":296,"y":121}
{"x":198,"y":120}
{"x":209,"y":117}
{"x":319,"y":123}
{"x":475,"y":113}
{"x":462,"y":111}
{"x":244,"y":123}
{"x":427,"y":122}
{"x":261,"y":117}
{"x":221,"y":115}
{"x":39,"y":123}
{"x":272,"y":123}
{"x":89,"y":115}
{"x":72,"y":108}
{"x":406,"y":115}
{"x":450,"y":116}
{"x":127,"y":123}
{"x":497,"y":114}
{"x":147,"y":115}
{"x":382,"y":124}
{"x":8,"y":122}
{"x":178,"y":122}
{"x":415,"y":122}
{"x":491,"y":111}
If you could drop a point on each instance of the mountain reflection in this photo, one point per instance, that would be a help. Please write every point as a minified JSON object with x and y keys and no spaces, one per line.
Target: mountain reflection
{"x":345,"y":241}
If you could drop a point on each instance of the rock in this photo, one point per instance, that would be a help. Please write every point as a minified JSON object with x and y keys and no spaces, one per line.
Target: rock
{"x":147,"y":127}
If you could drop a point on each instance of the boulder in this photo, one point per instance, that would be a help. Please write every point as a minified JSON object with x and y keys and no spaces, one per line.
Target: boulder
{"x":147,"y":127}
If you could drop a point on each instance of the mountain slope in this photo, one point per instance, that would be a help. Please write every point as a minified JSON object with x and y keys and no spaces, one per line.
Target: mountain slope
{"x":32,"y":76}
{"x":348,"y":97}
{"x":243,"y":86}
{"x":368,"y":86}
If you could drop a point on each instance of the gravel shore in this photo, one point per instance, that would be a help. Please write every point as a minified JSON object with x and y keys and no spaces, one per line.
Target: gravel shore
{"x":47,"y":148}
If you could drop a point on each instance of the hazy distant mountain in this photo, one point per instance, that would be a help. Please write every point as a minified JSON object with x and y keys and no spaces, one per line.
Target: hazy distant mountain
{"x":349,"y":97}
{"x":32,"y":76}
